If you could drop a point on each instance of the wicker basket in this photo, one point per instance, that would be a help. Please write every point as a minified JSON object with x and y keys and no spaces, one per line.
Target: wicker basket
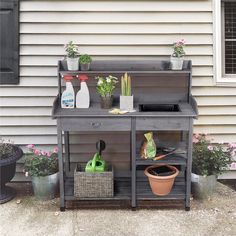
{"x":93,"y":185}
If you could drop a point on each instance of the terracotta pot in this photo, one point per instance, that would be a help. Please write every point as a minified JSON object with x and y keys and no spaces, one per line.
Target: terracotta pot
{"x":106,"y":102}
{"x":161,"y":185}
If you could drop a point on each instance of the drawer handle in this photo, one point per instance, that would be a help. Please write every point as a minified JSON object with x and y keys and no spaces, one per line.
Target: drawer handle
{"x":96,"y":124}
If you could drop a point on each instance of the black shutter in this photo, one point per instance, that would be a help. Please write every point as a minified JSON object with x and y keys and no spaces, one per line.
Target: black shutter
{"x":9,"y":41}
{"x":230,"y":37}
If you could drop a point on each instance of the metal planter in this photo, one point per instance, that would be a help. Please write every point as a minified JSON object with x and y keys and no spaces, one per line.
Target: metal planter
{"x":45,"y":187}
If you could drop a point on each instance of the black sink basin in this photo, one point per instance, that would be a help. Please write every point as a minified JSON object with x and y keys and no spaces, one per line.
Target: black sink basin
{"x":159,"y":108}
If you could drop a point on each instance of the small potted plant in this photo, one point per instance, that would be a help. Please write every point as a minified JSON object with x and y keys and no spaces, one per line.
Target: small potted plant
{"x":209,"y":161}
{"x":161,"y":178}
{"x":177,"y":58}
{"x":9,"y":154}
{"x":105,"y":87}
{"x":85,"y":61}
{"x":42,"y":166}
{"x":126,"y":99}
{"x":72,"y":56}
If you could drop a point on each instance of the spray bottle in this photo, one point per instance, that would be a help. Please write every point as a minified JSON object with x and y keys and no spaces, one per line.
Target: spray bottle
{"x":68,"y":96}
{"x":83,"y":97}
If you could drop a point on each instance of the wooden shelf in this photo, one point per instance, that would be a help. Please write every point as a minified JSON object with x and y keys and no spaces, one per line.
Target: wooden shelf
{"x":122,"y":190}
{"x":170,"y":160}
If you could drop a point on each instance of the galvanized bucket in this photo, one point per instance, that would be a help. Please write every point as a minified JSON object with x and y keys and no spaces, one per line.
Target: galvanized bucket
{"x":203,"y":186}
{"x":45,"y":187}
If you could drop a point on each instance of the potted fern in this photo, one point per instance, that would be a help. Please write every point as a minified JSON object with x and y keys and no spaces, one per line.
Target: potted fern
{"x":85,"y":61}
{"x":126,"y":99}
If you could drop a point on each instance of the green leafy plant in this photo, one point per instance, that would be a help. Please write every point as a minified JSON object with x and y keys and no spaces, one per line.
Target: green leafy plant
{"x":208,"y":158}
{"x":85,"y":59}
{"x":126,"y":85}
{"x":179,"y":48}
{"x":6,"y":148}
{"x":106,"y":85}
{"x":72,"y":50}
{"x":39,"y":162}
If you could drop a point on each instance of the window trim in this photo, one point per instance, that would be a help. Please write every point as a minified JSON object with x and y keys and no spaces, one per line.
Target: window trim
{"x":220,"y":77}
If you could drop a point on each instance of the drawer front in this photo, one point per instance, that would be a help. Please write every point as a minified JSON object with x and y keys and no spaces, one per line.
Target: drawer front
{"x":95,"y":124}
{"x":164,"y":123}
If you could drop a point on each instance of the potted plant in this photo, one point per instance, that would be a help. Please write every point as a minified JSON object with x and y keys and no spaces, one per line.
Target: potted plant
{"x":85,"y":61}
{"x":105,"y":87}
{"x":9,"y":154}
{"x":177,"y":58}
{"x":209,"y":160}
{"x":126,"y":99}
{"x":42,"y":166}
{"x":72,"y":56}
{"x":161,"y":178}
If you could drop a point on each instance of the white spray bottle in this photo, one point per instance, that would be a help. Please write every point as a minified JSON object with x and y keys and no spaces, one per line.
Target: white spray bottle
{"x":68,"y":96}
{"x":83,"y":97}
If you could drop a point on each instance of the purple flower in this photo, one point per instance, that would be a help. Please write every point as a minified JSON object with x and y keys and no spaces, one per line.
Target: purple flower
{"x":37,"y":152}
{"x":55,"y":150}
{"x":210,"y":148}
{"x":44,"y":153}
{"x":48,"y":154}
{"x":30,"y":146}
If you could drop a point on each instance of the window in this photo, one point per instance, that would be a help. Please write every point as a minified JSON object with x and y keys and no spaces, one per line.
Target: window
{"x":9,"y":61}
{"x":225,"y":40}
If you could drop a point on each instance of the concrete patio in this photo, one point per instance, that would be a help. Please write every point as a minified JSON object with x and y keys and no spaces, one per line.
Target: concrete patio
{"x":25,"y":216}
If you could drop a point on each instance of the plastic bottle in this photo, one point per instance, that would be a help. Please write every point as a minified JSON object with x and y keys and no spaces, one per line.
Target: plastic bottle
{"x":83,"y":97}
{"x":68,"y":96}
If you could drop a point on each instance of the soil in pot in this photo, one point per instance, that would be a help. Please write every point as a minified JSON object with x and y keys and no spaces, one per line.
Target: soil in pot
{"x":106,"y":102}
{"x":161,"y":178}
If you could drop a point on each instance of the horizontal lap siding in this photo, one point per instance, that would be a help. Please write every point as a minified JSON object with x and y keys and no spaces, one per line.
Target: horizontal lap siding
{"x":110,"y":30}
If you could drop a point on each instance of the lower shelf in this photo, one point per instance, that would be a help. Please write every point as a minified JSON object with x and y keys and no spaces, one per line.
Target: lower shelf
{"x":122,"y":190}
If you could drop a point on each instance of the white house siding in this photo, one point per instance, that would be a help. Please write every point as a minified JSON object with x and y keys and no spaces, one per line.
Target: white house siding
{"x":110,"y":30}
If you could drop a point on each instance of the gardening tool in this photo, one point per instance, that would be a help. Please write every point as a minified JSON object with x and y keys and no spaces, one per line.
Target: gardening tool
{"x":97,"y":164}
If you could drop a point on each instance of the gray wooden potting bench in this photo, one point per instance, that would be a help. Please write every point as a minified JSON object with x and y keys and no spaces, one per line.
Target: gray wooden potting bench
{"x":152,"y":83}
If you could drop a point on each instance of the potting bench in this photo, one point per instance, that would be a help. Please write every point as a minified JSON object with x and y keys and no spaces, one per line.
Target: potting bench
{"x":152,"y":83}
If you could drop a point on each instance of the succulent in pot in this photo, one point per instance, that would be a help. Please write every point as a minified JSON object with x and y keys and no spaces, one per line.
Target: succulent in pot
{"x":42,"y":166}
{"x":177,"y":58}
{"x":105,"y":88}
{"x":126,"y":99}
{"x":9,"y":154}
{"x":85,"y":61}
{"x":209,"y":161}
{"x":72,"y":56}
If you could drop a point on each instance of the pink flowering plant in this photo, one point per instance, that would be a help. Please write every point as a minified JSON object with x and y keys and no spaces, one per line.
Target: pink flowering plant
{"x":40,"y":162}
{"x":179,"y":48}
{"x":209,"y":158}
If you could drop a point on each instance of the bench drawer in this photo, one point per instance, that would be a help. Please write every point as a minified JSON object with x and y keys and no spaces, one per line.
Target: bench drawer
{"x":164,"y":123}
{"x":95,"y":124}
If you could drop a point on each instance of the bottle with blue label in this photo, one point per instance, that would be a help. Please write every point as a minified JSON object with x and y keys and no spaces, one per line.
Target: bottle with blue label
{"x":68,"y":96}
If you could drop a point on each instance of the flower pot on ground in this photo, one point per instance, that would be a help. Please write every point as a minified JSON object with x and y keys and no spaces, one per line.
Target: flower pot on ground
{"x":161,"y":178}
{"x":72,"y":56}
{"x":42,"y":166}
{"x":105,"y":88}
{"x":85,"y":61}
{"x":9,"y":154}
{"x":209,"y":161}
{"x":126,"y":99}
{"x":177,"y":59}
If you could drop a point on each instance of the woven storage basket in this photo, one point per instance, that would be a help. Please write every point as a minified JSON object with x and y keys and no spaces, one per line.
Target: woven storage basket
{"x":93,"y":185}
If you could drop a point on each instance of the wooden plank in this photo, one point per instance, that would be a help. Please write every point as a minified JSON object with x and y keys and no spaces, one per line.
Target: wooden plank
{"x":118,"y":17}
{"x":111,"y":6}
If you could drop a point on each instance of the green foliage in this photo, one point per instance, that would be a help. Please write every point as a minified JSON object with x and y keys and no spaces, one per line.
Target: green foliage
{"x":105,"y":86}
{"x":40,"y":163}
{"x":72,"y":50}
{"x":208,"y":158}
{"x":85,"y":59}
{"x":6,"y":148}
{"x":179,"y":48}
{"x":126,"y":85}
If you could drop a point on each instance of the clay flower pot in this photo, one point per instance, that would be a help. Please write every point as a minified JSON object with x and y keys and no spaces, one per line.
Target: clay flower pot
{"x":161,"y":181}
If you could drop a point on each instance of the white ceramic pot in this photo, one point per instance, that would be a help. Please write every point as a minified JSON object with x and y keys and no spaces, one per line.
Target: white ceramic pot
{"x":127,"y":103}
{"x":176,"y":63}
{"x":73,"y":63}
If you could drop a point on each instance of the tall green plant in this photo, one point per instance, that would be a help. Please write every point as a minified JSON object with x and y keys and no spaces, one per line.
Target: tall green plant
{"x":126,"y":85}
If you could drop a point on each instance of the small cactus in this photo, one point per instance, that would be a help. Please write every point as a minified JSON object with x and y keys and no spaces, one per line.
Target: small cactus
{"x":125,"y":85}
